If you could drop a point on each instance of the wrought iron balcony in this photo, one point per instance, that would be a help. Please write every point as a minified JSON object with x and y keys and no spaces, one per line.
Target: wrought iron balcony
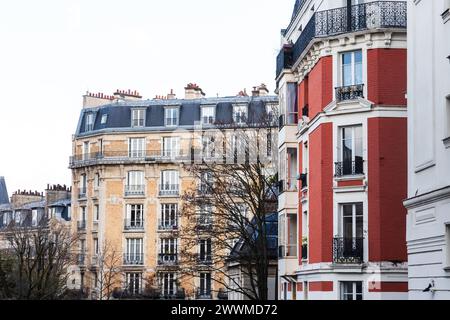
{"x":349,"y":168}
{"x":134,"y":190}
{"x":134,"y":224}
{"x":366,"y":16}
{"x":81,"y":225}
{"x":284,"y":58}
{"x":349,"y":92}
{"x":204,"y":260}
{"x":348,"y":250}
{"x":169,"y":190}
{"x":133,"y":259}
{"x":168,"y":225}
{"x":167,"y":259}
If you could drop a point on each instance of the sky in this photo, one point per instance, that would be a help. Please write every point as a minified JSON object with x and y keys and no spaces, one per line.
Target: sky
{"x":53,"y":51}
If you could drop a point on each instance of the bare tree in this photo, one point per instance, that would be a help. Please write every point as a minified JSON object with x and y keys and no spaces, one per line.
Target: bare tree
{"x":35,"y":266}
{"x":236,"y":190}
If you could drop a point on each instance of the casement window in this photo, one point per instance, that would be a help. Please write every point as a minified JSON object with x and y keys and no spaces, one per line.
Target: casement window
{"x":348,"y":246}
{"x":350,"y":151}
{"x":96,"y":280}
{"x":208,"y":115}
{"x":82,"y":246}
{"x":205,"y":248}
{"x":205,"y":284}
{"x":270,"y":113}
{"x":96,"y":181}
{"x":169,"y":216}
{"x":135,"y":180}
{"x":96,"y":248}
{"x":205,"y":214}
{"x":209,"y":147}
{"x":34,"y":218}
{"x":104,"y":119}
{"x":96,"y":213}
{"x":240,"y":114}
{"x":171,"y":146}
{"x":134,"y":283}
{"x":292,"y":172}
{"x":138,"y":118}
{"x":168,"y":249}
{"x":136,"y":147}
{"x":86,"y":150}
{"x":352,"y":72}
{"x":170,"y":182}
{"x":351,"y":290}
{"x":134,"y":251}
{"x":100,"y":146}
{"x":206,"y":182}
{"x":168,"y":283}
{"x":83,"y":184}
{"x":89,"y":122}
{"x":83,"y":214}
{"x":291,"y":104}
{"x":351,"y":222}
{"x":135,"y":216}
{"x":171,"y":117}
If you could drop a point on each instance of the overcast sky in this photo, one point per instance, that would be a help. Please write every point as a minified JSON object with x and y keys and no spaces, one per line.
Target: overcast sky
{"x":53,"y":51}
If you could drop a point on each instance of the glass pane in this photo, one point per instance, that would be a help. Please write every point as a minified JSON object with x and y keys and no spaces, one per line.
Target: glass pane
{"x":358,"y":73}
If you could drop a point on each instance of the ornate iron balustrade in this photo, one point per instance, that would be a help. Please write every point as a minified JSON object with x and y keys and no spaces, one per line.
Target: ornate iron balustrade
{"x":168,"y":225}
{"x":133,"y":259}
{"x":169,"y":190}
{"x":349,"y":92}
{"x":349,"y":168}
{"x":134,"y":190}
{"x":130,"y":224}
{"x":348,"y":250}
{"x":366,"y":16}
{"x":167,"y":259}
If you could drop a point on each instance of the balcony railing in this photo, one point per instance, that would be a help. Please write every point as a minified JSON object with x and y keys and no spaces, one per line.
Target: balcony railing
{"x":204,"y":294}
{"x":81,"y":225}
{"x":205,"y":260}
{"x":133,"y":259}
{"x":348,"y":250}
{"x":133,"y":224}
{"x":349,"y":168}
{"x":134,"y":190}
{"x":167,"y":259}
{"x":169,"y":190}
{"x":167,"y":225}
{"x":366,"y":16}
{"x":346,"y":93}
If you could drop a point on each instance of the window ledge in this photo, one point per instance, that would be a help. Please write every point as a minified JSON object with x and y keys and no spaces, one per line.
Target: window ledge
{"x":446,"y":142}
{"x":350,"y":177}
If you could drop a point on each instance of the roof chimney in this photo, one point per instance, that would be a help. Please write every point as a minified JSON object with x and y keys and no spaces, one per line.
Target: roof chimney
{"x":260,"y":91}
{"x":171,"y":95}
{"x":193,"y":91}
{"x":91,"y":100}
{"x":127,"y":95}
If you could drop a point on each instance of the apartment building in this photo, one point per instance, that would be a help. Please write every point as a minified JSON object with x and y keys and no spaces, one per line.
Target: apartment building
{"x":341,"y":79}
{"x":128,"y":182}
{"x":428,"y":203}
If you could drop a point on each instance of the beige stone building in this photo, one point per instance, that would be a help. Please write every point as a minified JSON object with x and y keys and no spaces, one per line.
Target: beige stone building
{"x":128,"y":180}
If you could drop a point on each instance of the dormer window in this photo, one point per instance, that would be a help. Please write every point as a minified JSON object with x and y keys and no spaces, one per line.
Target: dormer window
{"x":104,"y":119}
{"x":208,"y":114}
{"x":171,"y":117}
{"x":137,"y":118}
{"x":240,"y":114}
{"x":89,"y":126}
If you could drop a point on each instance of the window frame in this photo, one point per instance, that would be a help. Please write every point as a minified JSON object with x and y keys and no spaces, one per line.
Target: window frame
{"x":353,"y":68}
{"x":170,"y":146}
{"x":355,"y":294}
{"x":170,"y":178}
{"x":137,"y":147}
{"x":139,"y":121}
{"x":89,"y":122}
{"x":240,"y":110}
{"x":169,"y":121}
{"x":210,"y":118}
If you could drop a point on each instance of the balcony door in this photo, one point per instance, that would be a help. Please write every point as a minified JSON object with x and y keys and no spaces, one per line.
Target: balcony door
{"x":135,"y":215}
{"x":352,"y":70}
{"x":169,"y":180}
{"x":350,"y":151}
{"x":168,"y":249}
{"x":171,"y":146}
{"x":169,"y":215}
{"x":351,"y":233}
{"x":136,"y":148}
{"x":205,"y":284}
{"x":169,"y":285}
{"x":134,"y":250}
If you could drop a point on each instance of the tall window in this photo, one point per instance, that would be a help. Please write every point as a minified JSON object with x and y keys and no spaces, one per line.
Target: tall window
{"x":348,"y":247}
{"x":83,"y":214}
{"x":168,"y":283}
{"x":205,"y":250}
{"x":169,"y":182}
{"x":96,"y":181}
{"x":205,"y":284}
{"x":135,"y":216}
{"x":168,"y":250}
{"x":169,"y":219}
{"x":171,"y":117}
{"x":206,"y":182}
{"x":134,"y":251}
{"x":96,"y":213}
{"x":205,"y":216}
{"x":89,"y":125}
{"x":352,"y":220}
{"x":96,"y":248}
{"x":136,"y":147}
{"x":104,"y":119}
{"x":138,"y":117}
{"x":240,"y":114}
{"x":135,"y":182}
{"x":291,"y":104}
{"x":351,"y":290}
{"x":208,"y":142}
{"x":86,"y":150}
{"x":134,"y":283}
{"x":171,"y":146}
{"x":352,"y":68}
{"x":350,"y":151}
{"x":83,"y":185}
{"x":208,"y":115}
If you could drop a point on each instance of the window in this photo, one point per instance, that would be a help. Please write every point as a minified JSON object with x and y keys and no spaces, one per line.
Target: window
{"x":135,"y":216}
{"x":291,"y":104}
{"x":351,"y":290}
{"x":205,"y":250}
{"x":100,"y":146}
{"x":96,"y":213}
{"x":169,"y":182}
{"x":168,"y":283}
{"x":206,"y":182}
{"x":96,"y":248}
{"x":34,"y":218}
{"x":350,"y":151}
{"x":82,"y":246}
{"x":134,"y":251}
{"x":168,"y":250}
{"x":169,"y":219}
{"x":205,"y":214}
{"x":351,"y":220}
{"x":134,"y":283}
{"x":95,"y":279}
{"x":208,"y":143}
{"x":291,"y":182}
{"x":348,"y":246}
{"x":96,"y":181}
{"x":171,"y":117}
{"x":240,"y":114}
{"x":270,"y":112}
{"x":352,"y":68}
{"x":208,"y":115}
{"x":171,"y":147}
{"x":83,"y":214}
{"x":104,"y":119}
{"x":89,"y":126}
{"x":136,"y":147}
{"x":138,"y":118}
{"x":135,"y":183}
{"x":205,"y":284}
{"x":86,"y":150}
{"x":269,"y":144}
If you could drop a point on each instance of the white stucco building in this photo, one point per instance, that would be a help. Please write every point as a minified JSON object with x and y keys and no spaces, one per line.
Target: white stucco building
{"x":428,"y":204}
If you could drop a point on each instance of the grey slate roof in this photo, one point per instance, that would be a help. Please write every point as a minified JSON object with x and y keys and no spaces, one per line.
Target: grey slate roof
{"x":119,"y":113}
{"x":60,"y":203}
{"x":4,"y":198}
